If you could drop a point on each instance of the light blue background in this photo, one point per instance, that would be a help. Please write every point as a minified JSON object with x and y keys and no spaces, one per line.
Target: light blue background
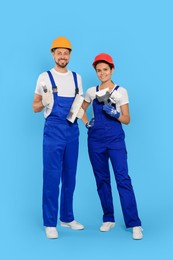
{"x":138,"y":34}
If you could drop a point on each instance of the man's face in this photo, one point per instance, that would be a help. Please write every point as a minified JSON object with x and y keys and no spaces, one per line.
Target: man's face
{"x":61,"y":57}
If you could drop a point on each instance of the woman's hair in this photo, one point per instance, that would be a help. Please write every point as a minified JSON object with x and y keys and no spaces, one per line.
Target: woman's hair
{"x":103,"y":61}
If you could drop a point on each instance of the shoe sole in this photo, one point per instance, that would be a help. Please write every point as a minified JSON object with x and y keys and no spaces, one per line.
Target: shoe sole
{"x":135,"y":238}
{"x":52,"y":237}
{"x":55,"y":237}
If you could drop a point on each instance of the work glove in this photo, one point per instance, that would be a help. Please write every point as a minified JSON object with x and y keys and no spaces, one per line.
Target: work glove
{"x":111,"y":111}
{"x":115,"y":97}
{"x":90,"y":124}
{"x":46,"y":97}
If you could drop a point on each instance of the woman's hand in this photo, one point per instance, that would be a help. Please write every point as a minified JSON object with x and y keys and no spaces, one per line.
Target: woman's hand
{"x":111,"y":111}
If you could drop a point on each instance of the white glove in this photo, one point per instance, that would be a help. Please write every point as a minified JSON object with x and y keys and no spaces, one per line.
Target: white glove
{"x":47,"y":95}
{"x":115,"y":97}
{"x":47,"y":98}
{"x":76,"y":110}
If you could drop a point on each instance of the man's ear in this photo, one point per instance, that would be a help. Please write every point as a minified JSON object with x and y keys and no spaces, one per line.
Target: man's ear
{"x":53,"y":54}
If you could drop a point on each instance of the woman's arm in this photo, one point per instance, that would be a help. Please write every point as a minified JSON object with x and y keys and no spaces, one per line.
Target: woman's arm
{"x":85,"y":105}
{"x":124,"y":117}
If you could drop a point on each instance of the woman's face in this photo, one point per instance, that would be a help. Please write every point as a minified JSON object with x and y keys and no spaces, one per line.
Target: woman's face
{"x":104,"y":72}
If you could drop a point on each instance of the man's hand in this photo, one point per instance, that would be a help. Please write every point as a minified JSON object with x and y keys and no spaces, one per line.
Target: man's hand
{"x":111,"y":111}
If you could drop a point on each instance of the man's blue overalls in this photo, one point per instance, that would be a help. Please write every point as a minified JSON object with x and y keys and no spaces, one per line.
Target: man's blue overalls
{"x":106,"y":140}
{"x":60,"y":153}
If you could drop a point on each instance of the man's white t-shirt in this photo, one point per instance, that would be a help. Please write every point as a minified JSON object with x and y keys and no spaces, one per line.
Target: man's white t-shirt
{"x":65,"y":86}
{"x":91,"y":95}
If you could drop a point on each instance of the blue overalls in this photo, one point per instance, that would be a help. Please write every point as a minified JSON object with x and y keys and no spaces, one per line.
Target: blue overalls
{"x":60,"y":153}
{"x":106,"y":141}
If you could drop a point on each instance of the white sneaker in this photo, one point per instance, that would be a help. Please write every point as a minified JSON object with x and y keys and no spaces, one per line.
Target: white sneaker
{"x":137,"y":233}
{"x":106,"y":226}
{"x":73,"y":224}
{"x":51,"y":232}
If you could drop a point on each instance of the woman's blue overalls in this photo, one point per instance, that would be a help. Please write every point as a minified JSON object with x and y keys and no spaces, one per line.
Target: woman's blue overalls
{"x":60,"y":153}
{"x":106,"y":141}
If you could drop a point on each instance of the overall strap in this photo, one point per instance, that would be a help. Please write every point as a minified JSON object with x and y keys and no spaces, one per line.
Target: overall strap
{"x":97,"y":88}
{"x":54,"y":87}
{"x":116,"y":87}
{"x":75,"y":82}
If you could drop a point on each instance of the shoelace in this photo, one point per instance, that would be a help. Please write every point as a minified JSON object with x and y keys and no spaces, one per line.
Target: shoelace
{"x":137,"y":230}
{"x":107,"y":224}
{"x":51,"y":229}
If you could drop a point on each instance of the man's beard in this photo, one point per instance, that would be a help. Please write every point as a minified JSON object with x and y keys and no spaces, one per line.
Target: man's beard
{"x":60,"y":65}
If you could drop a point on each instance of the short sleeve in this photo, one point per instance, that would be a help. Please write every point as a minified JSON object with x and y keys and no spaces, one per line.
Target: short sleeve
{"x":124,"y":96}
{"x":42,"y":78}
{"x":90,"y":94}
{"x":79,"y":79}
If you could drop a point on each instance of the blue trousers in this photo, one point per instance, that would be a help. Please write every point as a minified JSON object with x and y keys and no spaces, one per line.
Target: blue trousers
{"x":100,"y":162}
{"x":60,"y":153}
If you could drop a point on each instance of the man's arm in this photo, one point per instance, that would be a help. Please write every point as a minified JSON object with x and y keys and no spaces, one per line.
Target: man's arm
{"x":37,"y":103}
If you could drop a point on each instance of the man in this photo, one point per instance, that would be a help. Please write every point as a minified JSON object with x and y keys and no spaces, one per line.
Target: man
{"x":55,"y":92}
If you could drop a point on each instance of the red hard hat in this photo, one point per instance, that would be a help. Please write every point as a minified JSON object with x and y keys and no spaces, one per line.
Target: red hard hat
{"x":103,"y":57}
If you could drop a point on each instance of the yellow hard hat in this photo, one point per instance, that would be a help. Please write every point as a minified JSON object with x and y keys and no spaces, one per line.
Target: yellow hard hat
{"x":61,"y":42}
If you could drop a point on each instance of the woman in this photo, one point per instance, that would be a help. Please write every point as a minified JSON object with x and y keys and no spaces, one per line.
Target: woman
{"x":106,"y":141}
